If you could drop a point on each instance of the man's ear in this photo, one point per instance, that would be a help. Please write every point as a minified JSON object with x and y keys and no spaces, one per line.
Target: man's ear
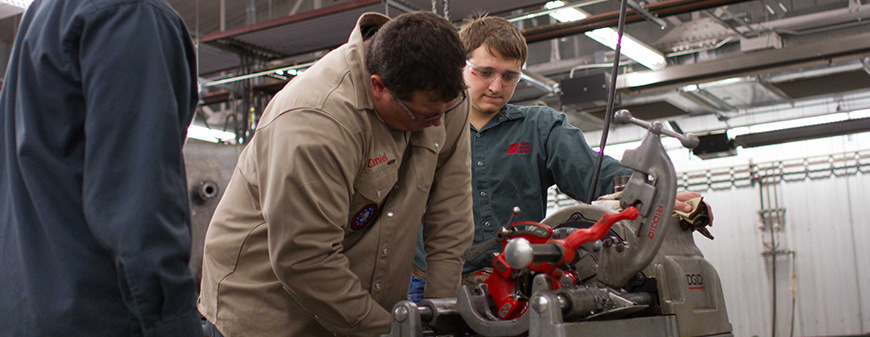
{"x":379,"y":91}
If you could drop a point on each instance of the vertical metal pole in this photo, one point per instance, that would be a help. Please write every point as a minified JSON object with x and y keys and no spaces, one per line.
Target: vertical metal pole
{"x":252,"y":12}
{"x":223,"y":15}
{"x":196,"y":47}
{"x":608,"y":113}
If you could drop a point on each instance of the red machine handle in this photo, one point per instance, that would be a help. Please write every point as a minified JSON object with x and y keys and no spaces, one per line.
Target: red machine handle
{"x":597,"y":231}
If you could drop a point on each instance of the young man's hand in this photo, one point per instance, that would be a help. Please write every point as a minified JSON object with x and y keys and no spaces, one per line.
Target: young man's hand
{"x":682,"y":206}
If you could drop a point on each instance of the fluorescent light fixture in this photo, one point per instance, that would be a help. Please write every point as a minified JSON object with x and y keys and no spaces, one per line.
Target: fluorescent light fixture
{"x":690,"y":88}
{"x":631,"y":47}
{"x":773,"y":126}
{"x":210,"y":135}
{"x":724,"y":82}
{"x":291,"y":72}
{"x":294,"y":70}
{"x":564,"y":15}
{"x":859,"y":114}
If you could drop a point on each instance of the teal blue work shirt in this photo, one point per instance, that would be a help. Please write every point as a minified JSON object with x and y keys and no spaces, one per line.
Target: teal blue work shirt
{"x":515,"y":158}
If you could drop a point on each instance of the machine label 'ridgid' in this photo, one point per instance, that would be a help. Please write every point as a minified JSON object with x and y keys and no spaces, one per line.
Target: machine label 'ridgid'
{"x":655,"y":223}
{"x":696,"y":281}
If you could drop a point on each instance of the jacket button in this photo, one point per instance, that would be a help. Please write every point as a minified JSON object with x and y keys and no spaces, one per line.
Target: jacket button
{"x":480,"y":163}
{"x":482,"y":194}
{"x":486,"y":224}
{"x":378,"y":285}
{"x":379,"y":193}
{"x":437,"y":145}
{"x":385,"y":251}
{"x":389,"y":214}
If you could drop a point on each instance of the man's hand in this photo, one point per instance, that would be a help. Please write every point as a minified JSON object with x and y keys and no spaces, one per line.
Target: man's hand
{"x":682,"y":197}
{"x":682,"y":206}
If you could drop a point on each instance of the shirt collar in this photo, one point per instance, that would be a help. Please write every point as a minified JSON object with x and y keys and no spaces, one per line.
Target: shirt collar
{"x":512,"y":112}
{"x":356,"y":56}
{"x":508,"y":112}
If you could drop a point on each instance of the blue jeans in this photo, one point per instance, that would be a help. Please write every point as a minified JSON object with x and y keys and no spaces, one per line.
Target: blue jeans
{"x":415,"y":289}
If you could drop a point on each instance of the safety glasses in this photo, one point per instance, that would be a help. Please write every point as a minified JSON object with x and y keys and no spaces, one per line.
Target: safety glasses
{"x":435,"y":116}
{"x":489,"y":73}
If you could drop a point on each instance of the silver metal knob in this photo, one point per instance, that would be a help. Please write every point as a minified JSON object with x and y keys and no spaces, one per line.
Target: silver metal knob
{"x":518,"y":253}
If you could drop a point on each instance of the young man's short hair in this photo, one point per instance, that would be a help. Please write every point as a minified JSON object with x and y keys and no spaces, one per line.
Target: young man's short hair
{"x":418,"y":51}
{"x":497,"y":33}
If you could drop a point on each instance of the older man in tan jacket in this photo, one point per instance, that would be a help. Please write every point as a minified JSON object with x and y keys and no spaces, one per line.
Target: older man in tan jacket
{"x":315,"y":234}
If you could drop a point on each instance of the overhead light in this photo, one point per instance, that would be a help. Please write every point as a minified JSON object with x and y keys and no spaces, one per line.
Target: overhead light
{"x":294,"y":70}
{"x":807,"y":132}
{"x":564,"y":15}
{"x":210,"y":135}
{"x":724,"y":82}
{"x":690,"y":88}
{"x":631,"y":47}
{"x":794,"y":123}
{"x":859,"y":114}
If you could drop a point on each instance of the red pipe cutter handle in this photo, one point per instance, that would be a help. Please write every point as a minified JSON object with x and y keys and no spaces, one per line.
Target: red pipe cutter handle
{"x":597,"y":231}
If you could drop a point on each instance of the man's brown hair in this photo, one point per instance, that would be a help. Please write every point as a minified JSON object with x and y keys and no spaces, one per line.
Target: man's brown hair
{"x":496,"y":33}
{"x":418,"y":51}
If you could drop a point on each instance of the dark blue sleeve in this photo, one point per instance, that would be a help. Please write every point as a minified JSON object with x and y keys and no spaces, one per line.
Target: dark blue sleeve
{"x":138,"y":75}
{"x":570,"y":160}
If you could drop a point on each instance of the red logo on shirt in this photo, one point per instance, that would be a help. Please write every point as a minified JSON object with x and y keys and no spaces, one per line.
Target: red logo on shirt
{"x":382,"y":158}
{"x":520,"y":148}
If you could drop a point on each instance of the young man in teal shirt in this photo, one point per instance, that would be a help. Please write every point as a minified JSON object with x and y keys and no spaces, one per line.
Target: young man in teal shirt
{"x":517,"y":152}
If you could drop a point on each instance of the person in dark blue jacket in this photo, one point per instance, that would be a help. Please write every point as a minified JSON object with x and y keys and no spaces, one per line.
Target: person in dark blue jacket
{"x":94,"y":217}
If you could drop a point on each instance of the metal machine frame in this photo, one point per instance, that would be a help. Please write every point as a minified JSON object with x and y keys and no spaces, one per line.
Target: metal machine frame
{"x":649,"y":279}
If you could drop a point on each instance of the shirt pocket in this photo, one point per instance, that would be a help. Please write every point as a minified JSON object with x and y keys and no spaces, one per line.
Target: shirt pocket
{"x":424,"y":155}
{"x":370,"y":190}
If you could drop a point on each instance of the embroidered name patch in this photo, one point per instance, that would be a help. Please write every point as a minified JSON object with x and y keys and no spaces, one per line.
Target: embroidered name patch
{"x":364,"y":217}
{"x":379,"y":159}
{"x":520,"y":148}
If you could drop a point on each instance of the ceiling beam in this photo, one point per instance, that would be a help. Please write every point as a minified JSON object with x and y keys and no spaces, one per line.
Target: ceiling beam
{"x":748,"y":64}
{"x":287,"y":20}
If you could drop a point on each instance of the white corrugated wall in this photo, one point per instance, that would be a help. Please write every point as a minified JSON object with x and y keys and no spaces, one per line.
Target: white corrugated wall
{"x":826,"y":225}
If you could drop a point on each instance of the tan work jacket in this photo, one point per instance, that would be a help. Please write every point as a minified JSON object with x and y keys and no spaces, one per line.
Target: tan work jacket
{"x":316,"y":232}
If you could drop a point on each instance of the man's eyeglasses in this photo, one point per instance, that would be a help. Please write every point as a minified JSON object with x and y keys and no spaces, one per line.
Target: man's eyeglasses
{"x":490,"y":73}
{"x":436,"y":116}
